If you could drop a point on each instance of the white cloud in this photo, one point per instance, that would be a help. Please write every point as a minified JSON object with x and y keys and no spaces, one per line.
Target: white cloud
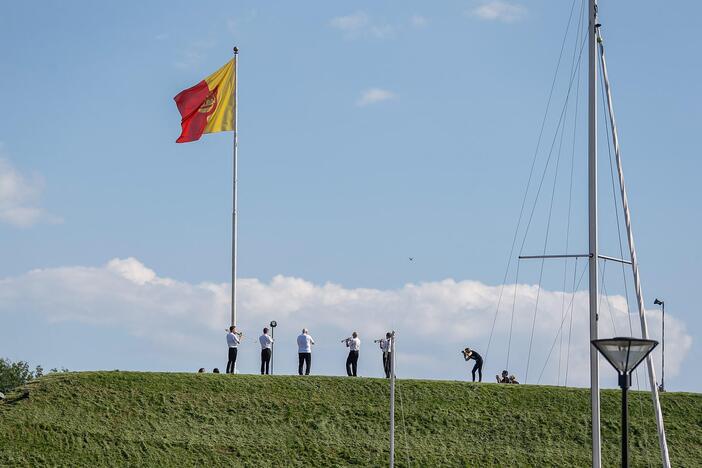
{"x":498,"y":10}
{"x":359,"y":24}
{"x":434,"y":320}
{"x":19,"y":197}
{"x":194,"y":54}
{"x":418,"y":21}
{"x":352,"y":22}
{"x":236,"y":24}
{"x":374,"y":95}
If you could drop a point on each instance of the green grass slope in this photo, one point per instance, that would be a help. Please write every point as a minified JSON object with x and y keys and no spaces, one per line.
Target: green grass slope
{"x":159,"y":419}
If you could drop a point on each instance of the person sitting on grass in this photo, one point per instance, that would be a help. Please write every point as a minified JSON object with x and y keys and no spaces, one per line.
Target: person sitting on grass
{"x":506,"y":378}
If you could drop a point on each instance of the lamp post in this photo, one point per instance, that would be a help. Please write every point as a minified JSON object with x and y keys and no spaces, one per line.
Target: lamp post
{"x":661,"y":387}
{"x":273,"y":324}
{"x":624,"y":354}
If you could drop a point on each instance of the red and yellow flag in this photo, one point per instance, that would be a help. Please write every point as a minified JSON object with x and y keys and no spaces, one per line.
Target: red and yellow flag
{"x":208,"y":107}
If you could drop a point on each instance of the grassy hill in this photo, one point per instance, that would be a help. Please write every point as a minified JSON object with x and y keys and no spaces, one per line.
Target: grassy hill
{"x":160,"y":419}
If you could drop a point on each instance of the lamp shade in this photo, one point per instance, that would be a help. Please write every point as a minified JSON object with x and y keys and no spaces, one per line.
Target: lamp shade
{"x":624,"y":353}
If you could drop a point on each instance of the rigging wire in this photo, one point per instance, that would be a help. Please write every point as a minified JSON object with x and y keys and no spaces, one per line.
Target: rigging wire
{"x":531,"y":173}
{"x":511,"y":322}
{"x":570,"y":202}
{"x":548,"y":160}
{"x":548,"y":228}
{"x":570,"y":326}
{"x":555,"y":339}
{"x":604,"y":295}
{"x":560,"y":128}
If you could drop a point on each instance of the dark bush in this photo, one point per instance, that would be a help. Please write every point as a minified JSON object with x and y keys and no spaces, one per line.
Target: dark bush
{"x":16,"y":374}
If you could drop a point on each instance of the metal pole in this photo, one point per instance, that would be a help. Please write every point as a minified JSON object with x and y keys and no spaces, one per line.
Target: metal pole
{"x":234,"y":178}
{"x":624,"y":382}
{"x":392,"y":400}
{"x":665,"y":457}
{"x":592,"y":215}
{"x":272,"y":345}
{"x":663,"y":350}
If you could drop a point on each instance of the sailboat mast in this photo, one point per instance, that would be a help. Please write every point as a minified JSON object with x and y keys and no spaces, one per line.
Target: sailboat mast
{"x":592,"y":215}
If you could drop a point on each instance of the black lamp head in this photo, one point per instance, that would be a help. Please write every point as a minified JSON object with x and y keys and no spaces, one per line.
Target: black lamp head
{"x":658,"y":302}
{"x":273,"y":324}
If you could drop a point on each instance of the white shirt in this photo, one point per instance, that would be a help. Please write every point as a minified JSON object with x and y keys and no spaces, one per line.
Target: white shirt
{"x":266,"y":341}
{"x":304,"y":343}
{"x":354,"y":344}
{"x":232,"y":340}
{"x":385,"y":345}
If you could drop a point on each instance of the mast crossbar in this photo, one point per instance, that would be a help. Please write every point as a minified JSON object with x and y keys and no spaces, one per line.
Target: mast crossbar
{"x":601,"y":257}
{"x":613,"y":259}
{"x":526,"y":257}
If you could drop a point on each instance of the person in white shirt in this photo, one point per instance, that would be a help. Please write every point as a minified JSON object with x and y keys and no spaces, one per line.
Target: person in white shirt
{"x":266,"y":350}
{"x":233,"y":340}
{"x":387,"y":353}
{"x":354,"y":345}
{"x":304,"y":351}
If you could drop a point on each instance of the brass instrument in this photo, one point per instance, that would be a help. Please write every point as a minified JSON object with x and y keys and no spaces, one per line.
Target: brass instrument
{"x":237,"y":333}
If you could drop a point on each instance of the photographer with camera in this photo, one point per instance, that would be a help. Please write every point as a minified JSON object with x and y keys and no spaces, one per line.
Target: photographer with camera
{"x":354,"y":345}
{"x":387,"y":353}
{"x":469,"y":354}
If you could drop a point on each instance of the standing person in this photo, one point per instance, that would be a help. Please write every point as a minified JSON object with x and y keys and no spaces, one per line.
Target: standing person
{"x":304,"y":351}
{"x":266,"y":350}
{"x":233,"y":340}
{"x":387,"y":353}
{"x":354,"y":345}
{"x":469,"y":354}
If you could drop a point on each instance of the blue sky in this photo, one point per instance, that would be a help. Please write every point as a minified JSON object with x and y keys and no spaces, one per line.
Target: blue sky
{"x":368,"y":133}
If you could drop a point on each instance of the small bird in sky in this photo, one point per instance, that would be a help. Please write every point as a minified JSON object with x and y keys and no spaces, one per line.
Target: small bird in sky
{"x":411,"y":259}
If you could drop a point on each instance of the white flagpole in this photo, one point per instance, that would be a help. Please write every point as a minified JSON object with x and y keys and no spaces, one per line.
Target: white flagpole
{"x":234,"y":201}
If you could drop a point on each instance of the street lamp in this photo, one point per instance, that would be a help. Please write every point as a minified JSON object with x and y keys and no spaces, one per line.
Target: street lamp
{"x":624,"y":354}
{"x":273,"y":324}
{"x":662,"y":304}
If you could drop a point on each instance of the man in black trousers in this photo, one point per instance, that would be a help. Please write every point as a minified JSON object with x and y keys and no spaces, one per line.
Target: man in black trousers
{"x":266,"y":350}
{"x":304,"y":351}
{"x":385,"y":347}
{"x":354,"y":345}
{"x":233,"y":339}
